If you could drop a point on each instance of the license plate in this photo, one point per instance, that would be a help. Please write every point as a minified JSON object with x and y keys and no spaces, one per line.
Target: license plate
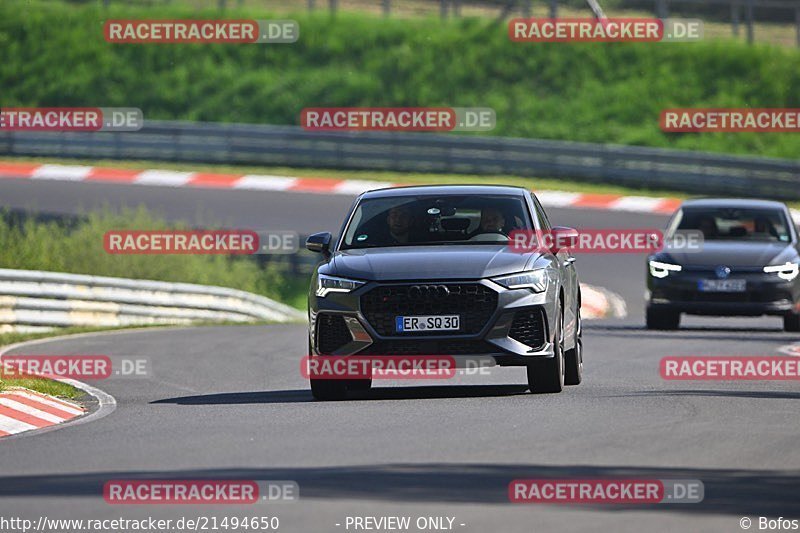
{"x":428,"y":323}
{"x":722,"y":285}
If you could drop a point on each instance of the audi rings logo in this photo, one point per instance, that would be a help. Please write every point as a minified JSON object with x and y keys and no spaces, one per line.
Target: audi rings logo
{"x":428,"y":291}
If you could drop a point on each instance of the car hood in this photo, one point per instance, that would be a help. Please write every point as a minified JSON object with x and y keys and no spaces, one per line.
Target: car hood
{"x":735,"y":254}
{"x":430,"y":262}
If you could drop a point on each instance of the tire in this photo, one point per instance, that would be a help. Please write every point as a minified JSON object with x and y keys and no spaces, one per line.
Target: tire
{"x":573,"y":359}
{"x":359,"y":384}
{"x":662,"y":319}
{"x":327,"y":389}
{"x":547,"y":375}
{"x":791,"y":322}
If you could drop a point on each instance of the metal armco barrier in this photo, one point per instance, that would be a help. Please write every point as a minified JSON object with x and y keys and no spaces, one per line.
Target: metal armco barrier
{"x":30,"y":299}
{"x":694,"y":172}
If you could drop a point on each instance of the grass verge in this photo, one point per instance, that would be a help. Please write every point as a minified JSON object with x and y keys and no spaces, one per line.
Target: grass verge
{"x":44,"y":386}
{"x":56,"y":55}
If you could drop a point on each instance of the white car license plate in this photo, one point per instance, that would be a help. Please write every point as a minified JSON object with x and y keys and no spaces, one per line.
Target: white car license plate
{"x":428,"y":323}
{"x":722,"y":285}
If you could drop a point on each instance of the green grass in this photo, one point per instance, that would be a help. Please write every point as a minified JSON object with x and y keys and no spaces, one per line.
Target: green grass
{"x":54,"y":55}
{"x":45,"y":386}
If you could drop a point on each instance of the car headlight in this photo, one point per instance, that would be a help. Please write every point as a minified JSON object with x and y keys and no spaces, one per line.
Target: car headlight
{"x":788,"y":271}
{"x":326,"y":284}
{"x":662,"y":270}
{"x":535,"y":280}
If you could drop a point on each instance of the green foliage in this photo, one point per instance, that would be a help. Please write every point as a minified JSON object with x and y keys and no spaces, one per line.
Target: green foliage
{"x":57,"y":247}
{"x":54,"y":54}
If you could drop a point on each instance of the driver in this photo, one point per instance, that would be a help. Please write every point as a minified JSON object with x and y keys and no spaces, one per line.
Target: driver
{"x":763,"y":225}
{"x":492,"y":220}
{"x":399,"y":221}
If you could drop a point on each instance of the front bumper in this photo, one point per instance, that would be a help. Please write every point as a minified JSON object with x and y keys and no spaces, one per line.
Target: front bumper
{"x":511,"y":316}
{"x":765,"y":294}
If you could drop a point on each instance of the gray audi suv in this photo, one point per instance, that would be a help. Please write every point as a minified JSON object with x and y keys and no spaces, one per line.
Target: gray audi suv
{"x":431,"y":271}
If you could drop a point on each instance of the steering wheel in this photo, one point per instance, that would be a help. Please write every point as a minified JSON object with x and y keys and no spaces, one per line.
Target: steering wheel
{"x":490,"y":236}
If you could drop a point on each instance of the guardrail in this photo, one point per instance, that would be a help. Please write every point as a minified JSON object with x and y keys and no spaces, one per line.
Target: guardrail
{"x":245,"y":144}
{"x":33,"y":299}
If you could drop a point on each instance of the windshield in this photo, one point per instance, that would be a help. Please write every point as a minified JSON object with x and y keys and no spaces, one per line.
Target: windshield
{"x":726,"y":223}
{"x":435,"y":220}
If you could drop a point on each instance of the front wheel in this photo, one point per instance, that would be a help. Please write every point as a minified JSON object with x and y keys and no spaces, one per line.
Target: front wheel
{"x":791,"y":322}
{"x":547,"y":375}
{"x":326,"y":389}
{"x":662,"y":319}
{"x":573,"y":374}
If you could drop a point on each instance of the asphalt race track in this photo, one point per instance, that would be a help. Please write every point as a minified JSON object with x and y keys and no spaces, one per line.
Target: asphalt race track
{"x":229,"y":402}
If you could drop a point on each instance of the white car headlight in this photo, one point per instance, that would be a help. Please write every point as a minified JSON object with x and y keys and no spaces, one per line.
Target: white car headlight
{"x":326,"y":284}
{"x":535,"y":280}
{"x":662,"y":270}
{"x":788,"y":271}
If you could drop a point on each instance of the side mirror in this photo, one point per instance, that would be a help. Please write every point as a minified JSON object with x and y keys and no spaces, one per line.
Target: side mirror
{"x":319,"y":242}
{"x":563,"y":237}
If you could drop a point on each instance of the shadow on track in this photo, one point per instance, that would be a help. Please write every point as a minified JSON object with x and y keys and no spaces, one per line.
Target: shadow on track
{"x":376,"y":393}
{"x":729,"y":491}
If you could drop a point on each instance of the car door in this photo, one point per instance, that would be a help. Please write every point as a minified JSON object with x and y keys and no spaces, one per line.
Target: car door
{"x":569,"y":278}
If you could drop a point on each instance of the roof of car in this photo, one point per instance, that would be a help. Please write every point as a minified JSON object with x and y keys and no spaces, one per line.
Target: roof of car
{"x":444,"y":189}
{"x":733,"y":203}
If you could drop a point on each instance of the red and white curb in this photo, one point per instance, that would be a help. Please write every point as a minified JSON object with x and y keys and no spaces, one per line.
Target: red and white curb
{"x":259,"y":182}
{"x":263,"y":182}
{"x":791,"y":349}
{"x":40,"y":408}
{"x":24,"y":410}
{"x":598,"y":302}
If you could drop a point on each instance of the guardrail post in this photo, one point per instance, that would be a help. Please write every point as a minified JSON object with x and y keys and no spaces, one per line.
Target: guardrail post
{"x":735,"y":18}
{"x":387,"y":8}
{"x":553,"y":9}
{"x":797,"y":23}
{"x":662,"y":11}
{"x":443,"y":8}
{"x":749,"y":21}
{"x":526,"y":8}
{"x":333,"y":4}
{"x":311,"y":5}
{"x":457,"y":8}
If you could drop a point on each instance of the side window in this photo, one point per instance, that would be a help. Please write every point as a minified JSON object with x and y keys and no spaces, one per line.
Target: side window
{"x":544,"y":223}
